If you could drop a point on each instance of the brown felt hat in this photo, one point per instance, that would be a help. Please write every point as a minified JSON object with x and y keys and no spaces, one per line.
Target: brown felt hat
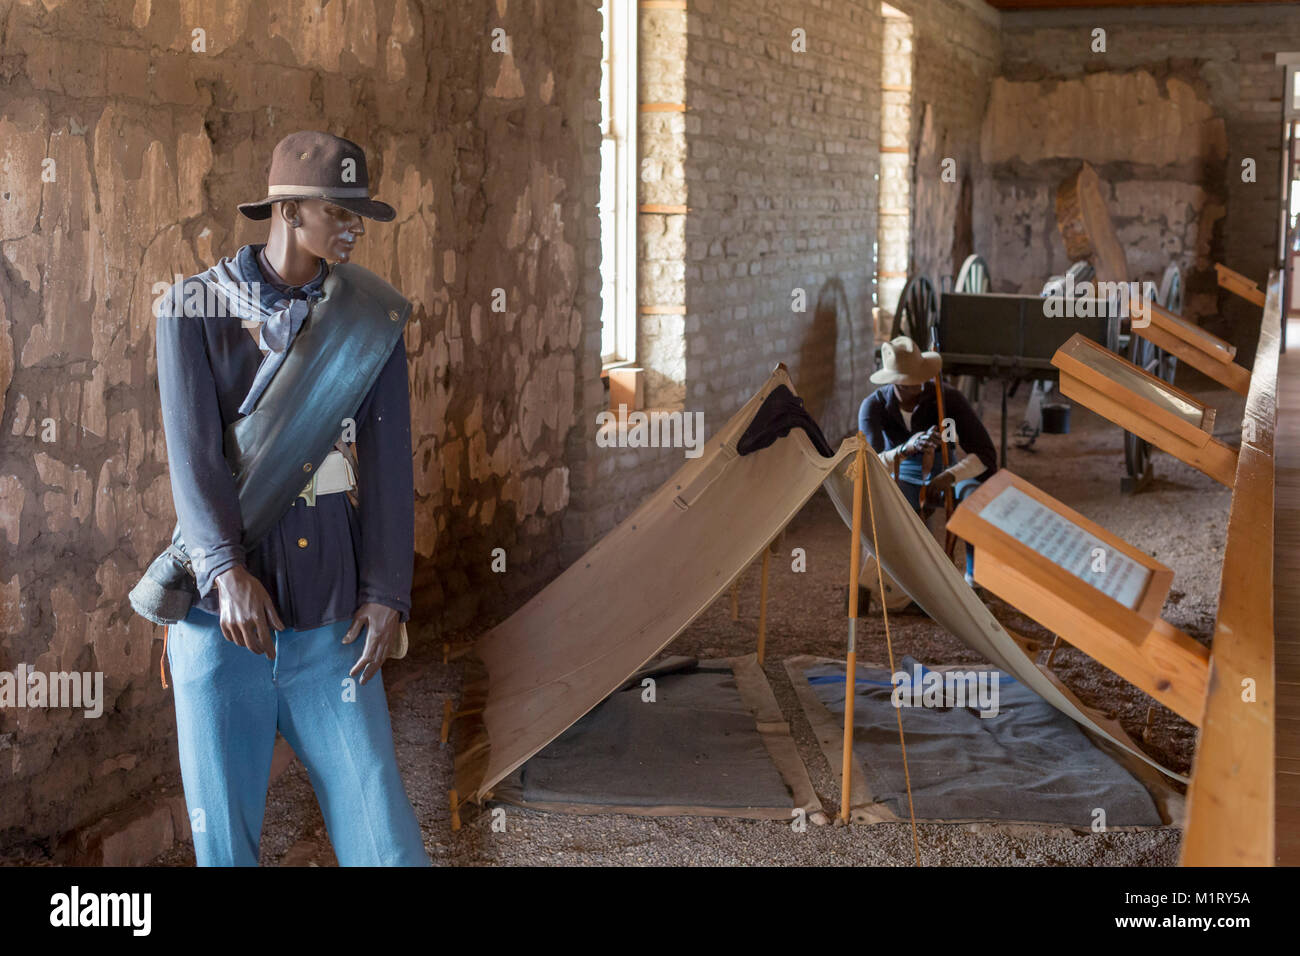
{"x":312,"y":165}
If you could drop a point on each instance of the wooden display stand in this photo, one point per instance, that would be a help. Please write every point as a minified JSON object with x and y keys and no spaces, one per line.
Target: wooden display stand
{"x":1029,"y":548}
{"x":1188,"y":342}
{"x":1080,"y":581}
{"x":1238,"y":284}
{"x":1149,"y":407}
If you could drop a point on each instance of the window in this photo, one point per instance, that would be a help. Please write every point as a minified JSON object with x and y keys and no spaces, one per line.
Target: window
{"x":1289,"y":232}
{"x":618,"y":179}
{"x":894,"y":240}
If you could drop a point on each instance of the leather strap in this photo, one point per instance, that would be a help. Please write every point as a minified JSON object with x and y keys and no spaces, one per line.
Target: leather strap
{"x":332,"y":364}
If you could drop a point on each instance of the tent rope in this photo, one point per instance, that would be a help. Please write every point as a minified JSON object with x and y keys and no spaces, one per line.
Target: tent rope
{"x":889,"y":643}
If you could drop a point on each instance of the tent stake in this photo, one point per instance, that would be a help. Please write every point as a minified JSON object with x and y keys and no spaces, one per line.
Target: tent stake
{"x":1051,"y":655}
{"x":448,"y":715}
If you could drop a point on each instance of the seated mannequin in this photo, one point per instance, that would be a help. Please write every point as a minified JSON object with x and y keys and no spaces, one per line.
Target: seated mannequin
{"x":901,"y":422}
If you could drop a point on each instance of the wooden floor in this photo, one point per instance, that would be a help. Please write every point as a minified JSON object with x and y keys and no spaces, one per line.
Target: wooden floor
{"x":1286,"y":590}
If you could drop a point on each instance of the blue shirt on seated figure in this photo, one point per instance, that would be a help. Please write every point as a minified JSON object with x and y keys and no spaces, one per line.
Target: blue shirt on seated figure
{"x":881,"y":419}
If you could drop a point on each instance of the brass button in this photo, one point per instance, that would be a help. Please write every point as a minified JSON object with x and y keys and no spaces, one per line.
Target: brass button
{"x":306,"y":466}
{"x":302,"y":542}
{"x":392,"y":315}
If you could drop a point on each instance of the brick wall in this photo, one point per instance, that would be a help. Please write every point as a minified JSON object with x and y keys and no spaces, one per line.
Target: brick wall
{"x":957,"y":52}
{"x":782,"y":155}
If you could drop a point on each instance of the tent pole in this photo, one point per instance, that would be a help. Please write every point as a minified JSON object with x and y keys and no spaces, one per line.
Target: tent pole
{"x":1052,"y":653}
{"x":762,"y":604}
{"x":949,"y":498}
{"x":889,"y":646}
{"x":851,"y":662}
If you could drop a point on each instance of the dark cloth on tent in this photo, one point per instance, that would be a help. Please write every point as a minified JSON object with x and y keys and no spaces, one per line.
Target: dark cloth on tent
{"x":781,"y":411}
{"x":1028,"y":763}
{"x":695,"y":745}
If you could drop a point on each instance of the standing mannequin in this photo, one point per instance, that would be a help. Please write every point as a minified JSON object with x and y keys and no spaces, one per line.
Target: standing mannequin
{"x":269,"y":646}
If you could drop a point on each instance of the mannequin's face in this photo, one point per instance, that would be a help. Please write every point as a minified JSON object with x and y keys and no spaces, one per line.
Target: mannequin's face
{"x":323,"y":229}
{"x":908,"y":395}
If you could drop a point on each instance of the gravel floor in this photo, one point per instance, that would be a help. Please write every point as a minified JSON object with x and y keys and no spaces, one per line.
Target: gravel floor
{"x":1180,"y":519}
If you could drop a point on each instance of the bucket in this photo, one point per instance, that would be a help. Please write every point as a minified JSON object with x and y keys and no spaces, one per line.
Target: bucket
{"x":1056,"y":419}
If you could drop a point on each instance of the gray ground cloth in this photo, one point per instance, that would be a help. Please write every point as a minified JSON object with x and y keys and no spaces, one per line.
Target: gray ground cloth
{"x":1029,"y":763}
{"x":696,"y":746}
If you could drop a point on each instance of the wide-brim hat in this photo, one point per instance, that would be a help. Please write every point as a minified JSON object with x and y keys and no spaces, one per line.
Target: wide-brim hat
{"x":903,"y":363}
{"x":313,"y":165}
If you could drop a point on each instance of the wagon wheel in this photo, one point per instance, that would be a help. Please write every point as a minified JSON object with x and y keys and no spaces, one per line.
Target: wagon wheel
{"x":1171,"y":289}
{"x":1137,"y":453}
{"x":973,"y":276}
{"x":916,"y":312}
{"x":1171,"y":297}
{"x":1081,"y":270}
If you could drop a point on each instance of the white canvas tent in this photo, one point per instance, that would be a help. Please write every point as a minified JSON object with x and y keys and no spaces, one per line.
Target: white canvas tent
{"x":628,"y":597}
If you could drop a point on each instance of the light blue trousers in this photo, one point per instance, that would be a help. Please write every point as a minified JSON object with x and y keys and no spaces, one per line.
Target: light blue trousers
{"x":229,"y":704}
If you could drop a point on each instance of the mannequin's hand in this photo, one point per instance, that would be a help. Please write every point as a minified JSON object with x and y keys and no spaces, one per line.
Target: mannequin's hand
{"x":935,"y":490}
{"x":921,"y":442}
{"x":940,"y":483}
{"x":382,"y":625}
{"x":247,"y":615}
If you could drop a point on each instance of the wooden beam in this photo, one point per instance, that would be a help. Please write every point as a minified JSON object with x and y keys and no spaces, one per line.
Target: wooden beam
{"x":1070,"y":4}
{"x":1084,"y":222}
{"x":1232,"y":800}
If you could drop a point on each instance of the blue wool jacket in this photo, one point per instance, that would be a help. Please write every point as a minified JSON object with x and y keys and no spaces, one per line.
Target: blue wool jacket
{"x":318,"y":563}
{"x":881,"y":421}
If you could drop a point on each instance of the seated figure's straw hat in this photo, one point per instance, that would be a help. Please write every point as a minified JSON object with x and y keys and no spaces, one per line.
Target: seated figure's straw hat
{"x":902,"y":363}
